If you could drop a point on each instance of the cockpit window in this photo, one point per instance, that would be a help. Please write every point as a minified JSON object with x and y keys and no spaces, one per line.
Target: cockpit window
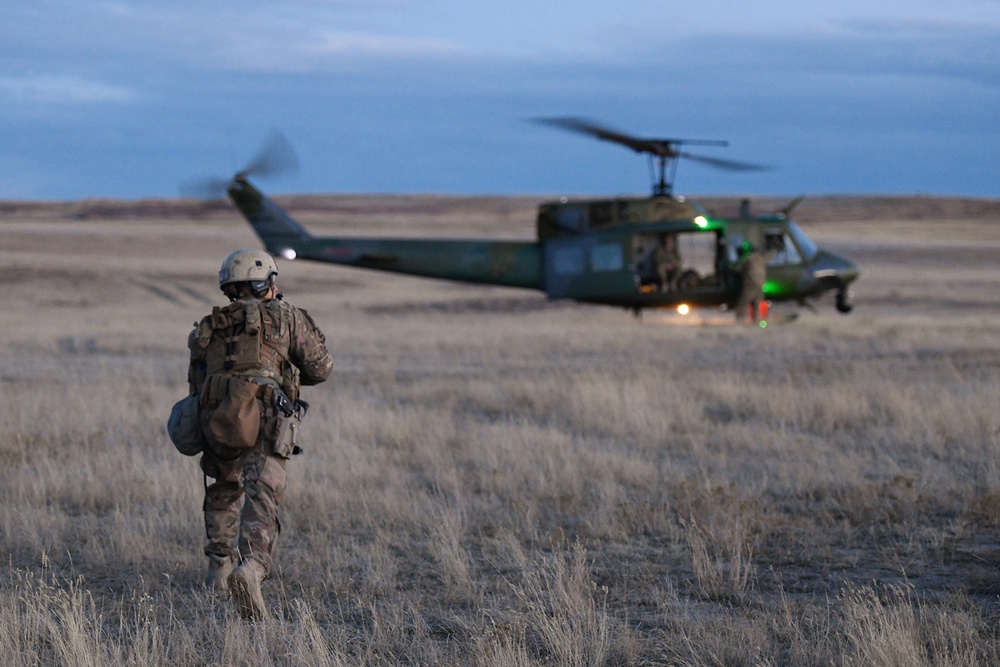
{"x":806,"y":245}
{"x":774,"y":240}
{"x":780,"y":248}
{"x":735,"y":243}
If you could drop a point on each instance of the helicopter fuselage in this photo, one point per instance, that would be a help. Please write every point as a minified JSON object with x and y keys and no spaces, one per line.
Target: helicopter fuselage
{"x":598,"y":251}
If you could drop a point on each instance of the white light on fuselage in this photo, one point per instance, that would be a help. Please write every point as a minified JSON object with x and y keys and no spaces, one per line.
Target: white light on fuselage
{"x":288,"y":253}
{"x":683,"y":309}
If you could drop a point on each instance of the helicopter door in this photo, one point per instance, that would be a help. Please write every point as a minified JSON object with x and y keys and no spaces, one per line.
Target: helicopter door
{"x":587,"y":268}
{"x":701,"y":264}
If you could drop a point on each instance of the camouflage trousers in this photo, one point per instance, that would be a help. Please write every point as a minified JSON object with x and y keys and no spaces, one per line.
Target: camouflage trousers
{"x":241,"y":505}
{"x":748,"y":304}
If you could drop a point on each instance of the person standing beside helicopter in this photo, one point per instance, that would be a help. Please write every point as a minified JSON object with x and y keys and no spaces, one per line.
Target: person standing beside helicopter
{"x":752,"y":268}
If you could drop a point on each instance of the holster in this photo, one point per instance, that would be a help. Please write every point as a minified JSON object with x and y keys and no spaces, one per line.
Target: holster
{"x":289,"y":420}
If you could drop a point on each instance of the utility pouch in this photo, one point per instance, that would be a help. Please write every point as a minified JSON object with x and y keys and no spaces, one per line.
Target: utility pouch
{"x":184,"y":428}
{"x":236,"y":421}
{"x":288,"y":432}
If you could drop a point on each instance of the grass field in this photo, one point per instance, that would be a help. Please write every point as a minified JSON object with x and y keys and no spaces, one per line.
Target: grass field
{"x":494,"y":479}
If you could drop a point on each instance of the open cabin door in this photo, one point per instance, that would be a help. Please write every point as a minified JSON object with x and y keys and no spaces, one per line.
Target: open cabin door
{"x":701,"y":271}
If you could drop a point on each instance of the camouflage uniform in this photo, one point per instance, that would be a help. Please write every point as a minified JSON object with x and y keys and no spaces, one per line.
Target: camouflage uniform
{"x":667,"y":260}
{"x":753,"y":270}
{"x":278,"y":347}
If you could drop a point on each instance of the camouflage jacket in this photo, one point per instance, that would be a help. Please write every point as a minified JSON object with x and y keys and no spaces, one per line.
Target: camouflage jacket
{"x":263,"y":339}
{"x":668,"y":259}
{"x":753,"y":268}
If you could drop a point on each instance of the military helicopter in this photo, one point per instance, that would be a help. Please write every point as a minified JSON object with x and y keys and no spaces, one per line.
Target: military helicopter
{"x":590,"y":251}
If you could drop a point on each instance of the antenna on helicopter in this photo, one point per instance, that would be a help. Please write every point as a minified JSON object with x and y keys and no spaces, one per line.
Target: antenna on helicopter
{"x":663,"y":152}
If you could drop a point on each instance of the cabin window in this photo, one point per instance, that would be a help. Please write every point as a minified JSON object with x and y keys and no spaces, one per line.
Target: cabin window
{"x":571,"y":219}
{"x":602,"y":214}
{"x":568,"y":261}
{"x":560,"y":220}
{"x":607,"y":257}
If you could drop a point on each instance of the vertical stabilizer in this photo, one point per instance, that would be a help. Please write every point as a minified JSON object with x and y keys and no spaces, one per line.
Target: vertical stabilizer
{"x":278,"y":230}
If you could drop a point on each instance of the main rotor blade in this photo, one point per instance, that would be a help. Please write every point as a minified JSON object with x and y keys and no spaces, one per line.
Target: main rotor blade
{"x":276,"y":157}
{"x":664,"y":148}
{"x":787,"y":210}
{"x":658,"y":147}
{"x":729,"y":165}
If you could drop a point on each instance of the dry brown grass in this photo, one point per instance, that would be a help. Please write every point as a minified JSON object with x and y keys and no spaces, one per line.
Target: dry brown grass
{"x":494,"y":479}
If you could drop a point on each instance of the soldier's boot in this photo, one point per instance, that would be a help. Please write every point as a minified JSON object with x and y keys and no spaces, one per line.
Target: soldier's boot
{"x":244,"y":583}
{"x":217,"y":578}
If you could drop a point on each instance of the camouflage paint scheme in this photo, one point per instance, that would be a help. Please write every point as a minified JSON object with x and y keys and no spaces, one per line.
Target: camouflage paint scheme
{"x":587,"y":251}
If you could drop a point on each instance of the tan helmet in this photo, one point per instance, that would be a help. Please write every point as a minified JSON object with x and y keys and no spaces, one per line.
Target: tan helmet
{"x":247,"y":265}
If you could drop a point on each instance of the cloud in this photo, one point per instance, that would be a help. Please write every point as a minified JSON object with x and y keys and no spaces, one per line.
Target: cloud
{"x":939,"y":49}
{"x":334,"y":42}
{"x":317,"y":51}
{"x":134,"y":90}
{"x":47,"y":89}
{"x":868,"y":49}
{"x":300,"y":38}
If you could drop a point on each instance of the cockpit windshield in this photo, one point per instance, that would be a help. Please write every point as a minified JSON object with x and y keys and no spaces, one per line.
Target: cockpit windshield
{"x":807,"y":247}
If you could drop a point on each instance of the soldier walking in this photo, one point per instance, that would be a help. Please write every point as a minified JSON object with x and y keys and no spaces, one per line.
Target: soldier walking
{"x":248,"y":360}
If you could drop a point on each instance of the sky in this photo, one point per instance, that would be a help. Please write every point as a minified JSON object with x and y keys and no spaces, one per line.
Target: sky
{"x":132,"y":99}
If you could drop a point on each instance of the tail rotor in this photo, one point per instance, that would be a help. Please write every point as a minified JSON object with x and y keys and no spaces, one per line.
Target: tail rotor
{"x":276,"y":157}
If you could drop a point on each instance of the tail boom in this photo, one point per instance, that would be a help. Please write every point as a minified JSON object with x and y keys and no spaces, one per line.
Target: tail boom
{"x":278,"y":230}
{"x":506,"y":263}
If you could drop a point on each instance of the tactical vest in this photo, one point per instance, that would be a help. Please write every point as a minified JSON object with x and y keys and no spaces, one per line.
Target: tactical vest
{"x":250,"y":339}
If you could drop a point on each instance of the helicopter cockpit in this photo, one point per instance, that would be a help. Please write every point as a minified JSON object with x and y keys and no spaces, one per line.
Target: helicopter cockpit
{"x":784,"y":242}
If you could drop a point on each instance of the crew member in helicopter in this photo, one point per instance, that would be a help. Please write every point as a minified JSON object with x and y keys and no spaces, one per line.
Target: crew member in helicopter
{"x":667,"y":261}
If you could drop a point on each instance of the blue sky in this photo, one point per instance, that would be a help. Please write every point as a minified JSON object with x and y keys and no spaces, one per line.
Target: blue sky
{"x":130,"y":99}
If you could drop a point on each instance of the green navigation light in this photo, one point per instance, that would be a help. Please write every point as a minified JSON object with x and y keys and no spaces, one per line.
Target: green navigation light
{"x":774,"y":289}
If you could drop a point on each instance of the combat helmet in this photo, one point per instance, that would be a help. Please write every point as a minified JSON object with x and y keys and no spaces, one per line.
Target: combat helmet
{"x":248,"y":265}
